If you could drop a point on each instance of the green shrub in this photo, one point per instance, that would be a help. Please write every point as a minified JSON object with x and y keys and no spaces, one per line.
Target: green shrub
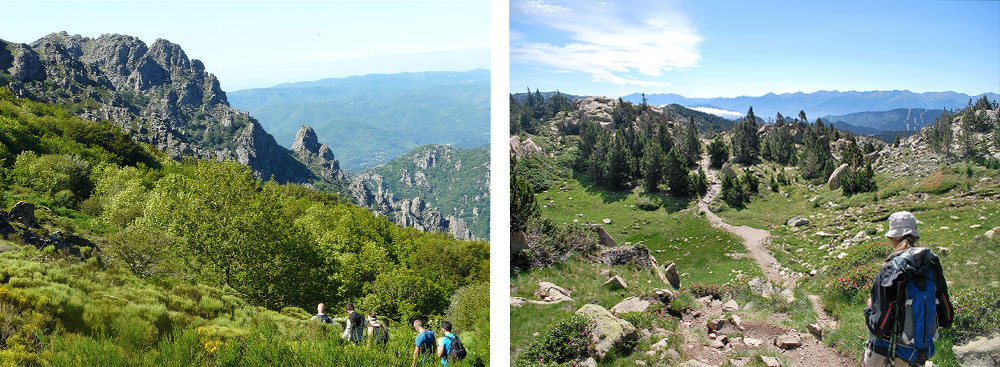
{"x":647,"y":201}
{"x":404,"y":295}
{"x":649,"y":319}
{"x":566,"y":341}
{"x":470,"y":307}
{"x":977,"y":312}
{"x":51,"y":173}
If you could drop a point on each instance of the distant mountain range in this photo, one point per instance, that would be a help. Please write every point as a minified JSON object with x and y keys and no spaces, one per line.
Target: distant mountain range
{"x":368,"y":120}
{"x":822,"y":103}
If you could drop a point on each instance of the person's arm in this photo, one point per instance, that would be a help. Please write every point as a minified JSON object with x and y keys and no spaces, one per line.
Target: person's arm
{"x":441,"y":348}
{"x":347,"y":329}
{"x":878,"y":316}
{"x":416,"y":353}
{"x":945,"y":311}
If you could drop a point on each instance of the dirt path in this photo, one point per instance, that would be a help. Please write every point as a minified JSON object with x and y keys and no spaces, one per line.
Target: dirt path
{"x":754,"y":239}
{"x":812,"y":352}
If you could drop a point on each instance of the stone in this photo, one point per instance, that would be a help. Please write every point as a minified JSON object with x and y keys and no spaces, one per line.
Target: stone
{"x":981,"y":352}
{"x":816,"y":329}
{"x":833,"y":182}
{"x":664,"y":295}
{"x":762,"y":287}
{"x":518,"y":243}
{"x":993,"y":233}
{"x":550,"y":292}
{"x":616,"y":282}
{"x":717,"y":344}
{"x":788,"y":341}
{"x":730,"y":306}
{"x":23,"y":212}
{"x":622,"y":255}
{"x":606,"y":220}
{"x":672,"y":276}
{"x":639,"y":362}
{"x":518,"y":301}
{"x":660,"y":345}
{"x":727,"y":170}
{"x":752,"y":342}
{"x":694,"y":363}
{"x":797,"y":222}
{"x":631,"y":304}
{"x":605,"y":239}
{"x":608,"y":332}
{"x":589,"y":362}
{"x":672,"y":354}
{"x":770,"y":361}
{"x":737,"y":321}
{"x":788,"y":295}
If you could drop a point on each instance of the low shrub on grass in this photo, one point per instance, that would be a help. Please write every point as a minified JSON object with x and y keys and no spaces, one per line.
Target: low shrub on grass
{"x":977,"y":312}
{"x":566,"y":341}
{"x":649,"y":319}
{"x":647,"y":201}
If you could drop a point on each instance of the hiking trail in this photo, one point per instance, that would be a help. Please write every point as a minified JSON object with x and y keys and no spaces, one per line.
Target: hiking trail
{"x":812,"y":352}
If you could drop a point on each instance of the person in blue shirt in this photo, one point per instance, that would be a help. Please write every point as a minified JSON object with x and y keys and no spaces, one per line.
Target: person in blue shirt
{"x":424,"y":343}
{"x":444,"y":347}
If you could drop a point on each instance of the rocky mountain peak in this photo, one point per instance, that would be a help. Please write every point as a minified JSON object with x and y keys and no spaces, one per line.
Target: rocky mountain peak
{"x":306,"y":141}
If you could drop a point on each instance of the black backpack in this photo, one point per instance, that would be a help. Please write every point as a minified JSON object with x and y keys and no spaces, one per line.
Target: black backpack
{"x":380,"y":334}
{"x":457,"y":352}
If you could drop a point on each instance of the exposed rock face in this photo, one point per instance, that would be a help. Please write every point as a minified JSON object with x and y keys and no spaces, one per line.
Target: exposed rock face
{"x":155,"y":92}
{"x":369,"y":190}
{"x":524,"y":148}
{"x":616,"y":282}
{"x":518,"y":242}
{"x":609,"y":332}
{"x":24,"y":213}
{"x":833,"y":182}
{"x":308,"y":150}
{"x":727,"y":170}
{"x":28,"y":232}
{"x":982,"y":352}
{"x":604,"y":237}
{"x":797,"y":222}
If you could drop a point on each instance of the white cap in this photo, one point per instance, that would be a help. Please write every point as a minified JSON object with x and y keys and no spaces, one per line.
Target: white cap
{"x":902,"y":224}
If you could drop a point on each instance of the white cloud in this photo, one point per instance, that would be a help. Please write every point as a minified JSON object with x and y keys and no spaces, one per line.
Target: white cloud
{"x":718,"y":112}
{"x":619,"y":44}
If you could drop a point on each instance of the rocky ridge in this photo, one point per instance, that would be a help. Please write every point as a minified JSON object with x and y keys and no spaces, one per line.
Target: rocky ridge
{"x":160,"y":96}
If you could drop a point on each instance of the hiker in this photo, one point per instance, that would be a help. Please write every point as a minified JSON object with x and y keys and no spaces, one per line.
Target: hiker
{"x":378,"y":332}
{"x":320,"y":316}
{"x":909,"y":301}
{"x":354,"y":328}
{"x":424,"y":342}
{"x":450,"y":348}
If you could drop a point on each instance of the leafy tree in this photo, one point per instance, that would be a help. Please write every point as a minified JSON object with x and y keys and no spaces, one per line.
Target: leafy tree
{"x":404,"y":295}
{"x":718,"y":152}
{"x":746,"y":143}
{"x":522,"y":200}
{"x":677,"y":174}
{"x":653,"y":161}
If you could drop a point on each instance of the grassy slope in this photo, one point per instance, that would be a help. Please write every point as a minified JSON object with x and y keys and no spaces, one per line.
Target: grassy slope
{"x":945,"y":199}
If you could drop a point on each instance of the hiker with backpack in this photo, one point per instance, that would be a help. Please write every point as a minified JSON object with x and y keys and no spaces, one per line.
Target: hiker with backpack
{"x":354,"y":328}
{"x":320,"y":316}
{"x":909,"y":301}
{"x":450,"y":348}
{"x":379,"y":333}
{"x":424,"y":343}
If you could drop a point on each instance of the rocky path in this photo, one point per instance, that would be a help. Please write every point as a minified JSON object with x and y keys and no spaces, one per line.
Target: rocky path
{"x":811,"y":352}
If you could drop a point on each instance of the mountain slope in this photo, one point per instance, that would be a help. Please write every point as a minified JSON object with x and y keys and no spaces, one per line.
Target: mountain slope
{"x":822,"y":103}
{"x":159,"y":96}
{"x":454,"y":180}
{"x":155,"y":93}
{"x":900,"y":119}
{"x":368,"y":120}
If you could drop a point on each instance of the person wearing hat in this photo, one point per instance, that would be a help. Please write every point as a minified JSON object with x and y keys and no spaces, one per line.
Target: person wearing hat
{"x":378,"y":332}
{"x":904,"y":259}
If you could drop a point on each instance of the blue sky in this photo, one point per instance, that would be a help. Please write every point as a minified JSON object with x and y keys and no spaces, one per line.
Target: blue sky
{"x":732,"y":48}
{"x":262,"y":43}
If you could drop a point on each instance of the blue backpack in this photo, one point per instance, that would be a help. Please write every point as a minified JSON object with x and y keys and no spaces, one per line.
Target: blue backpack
{"x":914,"y":316}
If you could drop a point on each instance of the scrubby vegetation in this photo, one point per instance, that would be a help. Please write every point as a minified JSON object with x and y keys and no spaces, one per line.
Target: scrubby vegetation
{"x":201,"y":263}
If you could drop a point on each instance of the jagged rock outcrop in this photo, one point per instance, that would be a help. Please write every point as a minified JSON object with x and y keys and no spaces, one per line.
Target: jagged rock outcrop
{"x":19,"y":225}
{"x":609,"y":332}
{"x":369,"y":190}
{"x":308,"y":149}
{"x":155,"y":92}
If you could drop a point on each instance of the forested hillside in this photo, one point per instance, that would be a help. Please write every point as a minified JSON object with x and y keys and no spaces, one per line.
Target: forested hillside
{"x":371,"y":119}
{"x":115,"y":254}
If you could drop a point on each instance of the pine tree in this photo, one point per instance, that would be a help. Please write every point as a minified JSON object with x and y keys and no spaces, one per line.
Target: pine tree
{"x":619,"y":171}
{"x":653,"y":161}
{"x":677,"y":173}
{"x":718,"y":152}
{"x":664,"y":138}
{"x":746,"y":143}
{"x":523,"y":206}
{"x":692,"y":146}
